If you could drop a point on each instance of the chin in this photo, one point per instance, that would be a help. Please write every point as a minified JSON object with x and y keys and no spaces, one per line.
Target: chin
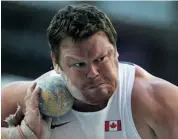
{"x":98,"y":99}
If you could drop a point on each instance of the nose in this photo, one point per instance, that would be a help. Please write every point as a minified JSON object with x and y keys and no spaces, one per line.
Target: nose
{"x":92,"y":72}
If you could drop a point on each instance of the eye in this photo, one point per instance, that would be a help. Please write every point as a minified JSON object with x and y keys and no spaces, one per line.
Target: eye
{"x":100,"y":59}
{"x":79,"y":65}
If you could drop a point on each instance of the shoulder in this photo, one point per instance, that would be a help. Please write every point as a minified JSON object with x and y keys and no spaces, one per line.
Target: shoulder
{"x":14,"y":89}
{"x":142,"y":95}
{"x":49,"y":73}
{"x":11,"y":95}
{"x":153,"y":89}
{"x":19,"y":88}
{"x":153,"y":98}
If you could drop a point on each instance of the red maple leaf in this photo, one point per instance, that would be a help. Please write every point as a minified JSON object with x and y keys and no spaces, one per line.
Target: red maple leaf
{"x":113,"y":125}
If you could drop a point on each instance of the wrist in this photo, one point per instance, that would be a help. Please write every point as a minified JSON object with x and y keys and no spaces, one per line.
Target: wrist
{"x":28,"y":133}
{"x":21,"y":132}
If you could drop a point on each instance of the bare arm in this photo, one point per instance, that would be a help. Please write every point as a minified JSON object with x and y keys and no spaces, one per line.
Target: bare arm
{"x":11,"y":95}
{"x":156,"y":103}
{"x":12,"y":120}
{"x":165,"y":118}
{"x":32,"y":125}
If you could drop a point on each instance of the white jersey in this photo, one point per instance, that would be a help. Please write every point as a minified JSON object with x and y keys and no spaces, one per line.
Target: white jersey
{"x":113,"y":122}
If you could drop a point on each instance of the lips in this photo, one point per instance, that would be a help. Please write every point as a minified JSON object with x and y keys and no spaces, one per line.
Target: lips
{"x":95,"y":86}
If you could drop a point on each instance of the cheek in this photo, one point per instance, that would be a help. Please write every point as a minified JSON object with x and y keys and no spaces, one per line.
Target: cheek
{"x":109,"y":70}
{"x":76,"y":77}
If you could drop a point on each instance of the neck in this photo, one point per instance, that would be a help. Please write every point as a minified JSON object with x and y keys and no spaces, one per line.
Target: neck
{"x":84,"y":107}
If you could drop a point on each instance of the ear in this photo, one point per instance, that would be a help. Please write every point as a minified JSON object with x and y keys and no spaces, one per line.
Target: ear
{"x":117,"y":54}
{"x":53,"y":59}
{"x":55,"y":64}
{"x":58,"y":69}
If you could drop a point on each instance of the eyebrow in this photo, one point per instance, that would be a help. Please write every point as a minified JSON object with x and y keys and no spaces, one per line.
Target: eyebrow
{"x":77,"y":58}
{"x":69,"y":58}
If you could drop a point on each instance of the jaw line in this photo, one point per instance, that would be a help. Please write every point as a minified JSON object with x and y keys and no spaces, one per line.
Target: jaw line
{"x":72,"y":89}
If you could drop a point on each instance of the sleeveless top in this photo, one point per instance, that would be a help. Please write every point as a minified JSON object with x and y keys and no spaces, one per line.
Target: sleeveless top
{"x":113,"y":122}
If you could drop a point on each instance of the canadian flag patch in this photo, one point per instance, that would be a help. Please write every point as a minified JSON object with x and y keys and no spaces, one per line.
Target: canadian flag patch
{"x":113,"y":125}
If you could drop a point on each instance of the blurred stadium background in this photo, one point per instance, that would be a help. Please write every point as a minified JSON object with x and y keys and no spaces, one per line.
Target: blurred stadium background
{"x":147,"y":36}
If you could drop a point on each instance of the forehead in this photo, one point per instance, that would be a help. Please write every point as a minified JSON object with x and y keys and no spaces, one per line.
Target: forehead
{"x":91,"y":47}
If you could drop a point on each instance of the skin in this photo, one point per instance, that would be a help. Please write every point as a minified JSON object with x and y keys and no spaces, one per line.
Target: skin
{"x":32,"y":118}
{"x":86,"y":64}
{"x":154,"y":100}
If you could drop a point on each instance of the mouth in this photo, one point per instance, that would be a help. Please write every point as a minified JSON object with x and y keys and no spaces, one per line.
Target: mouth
{"x":95,"y":86}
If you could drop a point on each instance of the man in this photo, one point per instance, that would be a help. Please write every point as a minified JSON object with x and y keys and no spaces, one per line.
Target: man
{"x":113,"y":99}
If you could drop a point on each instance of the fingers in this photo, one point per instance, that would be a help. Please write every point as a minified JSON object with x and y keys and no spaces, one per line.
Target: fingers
{"x":30,"y":90}
{"x":32,"y":113}
{"x":35,"y":97}
{"x":32,"y":96}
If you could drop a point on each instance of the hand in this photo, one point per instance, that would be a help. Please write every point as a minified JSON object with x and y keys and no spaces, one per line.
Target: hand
{"x":32,"y":117}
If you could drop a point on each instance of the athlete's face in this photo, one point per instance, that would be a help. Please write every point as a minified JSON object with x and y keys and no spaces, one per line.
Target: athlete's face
{"x":90,"y":68}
